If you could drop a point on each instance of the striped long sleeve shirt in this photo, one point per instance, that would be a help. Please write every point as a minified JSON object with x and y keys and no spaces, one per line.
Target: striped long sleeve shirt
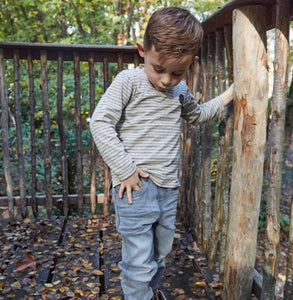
{"x":134,"y":125}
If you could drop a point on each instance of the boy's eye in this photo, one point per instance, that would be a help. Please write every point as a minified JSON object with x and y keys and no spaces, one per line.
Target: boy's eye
{"x":158,"y":70}
{"x":178,"y":74}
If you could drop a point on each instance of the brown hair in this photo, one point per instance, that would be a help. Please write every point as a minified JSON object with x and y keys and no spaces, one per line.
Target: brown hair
{"x":173,"y":31}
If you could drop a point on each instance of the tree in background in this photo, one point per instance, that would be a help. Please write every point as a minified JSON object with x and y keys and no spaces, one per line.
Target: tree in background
{"x":86,"y":21}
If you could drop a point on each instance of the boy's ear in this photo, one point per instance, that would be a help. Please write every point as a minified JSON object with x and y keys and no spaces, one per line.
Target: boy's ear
{"x":140,"y":48}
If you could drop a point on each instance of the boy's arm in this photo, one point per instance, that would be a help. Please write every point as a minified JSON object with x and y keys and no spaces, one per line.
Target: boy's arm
{"x":103,"y":127}
{"x":227,"y":96}
{"x":200,"y":113}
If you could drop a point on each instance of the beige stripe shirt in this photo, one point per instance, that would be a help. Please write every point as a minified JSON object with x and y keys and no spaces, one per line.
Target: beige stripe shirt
{"x":134,"y":125}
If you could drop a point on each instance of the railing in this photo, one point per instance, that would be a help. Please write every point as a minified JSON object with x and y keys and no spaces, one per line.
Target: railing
{"x":234,"y":50}
{"x":38,"y":62}
{"x":222,"y":212}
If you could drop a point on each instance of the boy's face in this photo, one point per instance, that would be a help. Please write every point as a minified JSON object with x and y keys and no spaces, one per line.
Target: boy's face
{"x":164,"y":72}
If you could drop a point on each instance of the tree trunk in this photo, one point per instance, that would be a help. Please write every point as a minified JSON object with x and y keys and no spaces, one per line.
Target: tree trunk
{"x":276,"y":138}
{"x":251,"y":93}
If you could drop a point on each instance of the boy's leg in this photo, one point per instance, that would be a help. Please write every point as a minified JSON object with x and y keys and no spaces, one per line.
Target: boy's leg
{"x":135,"y":224}
{"x":164,"y":230}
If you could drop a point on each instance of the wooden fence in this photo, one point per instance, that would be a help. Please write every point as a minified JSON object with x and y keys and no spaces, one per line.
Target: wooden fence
{"x":223,"y":216}
{"x":221,"y":211}
{"x":37,"y":56}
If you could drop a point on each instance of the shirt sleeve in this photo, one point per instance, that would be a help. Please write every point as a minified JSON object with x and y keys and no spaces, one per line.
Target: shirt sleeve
{"x":103,"y":127}
{"x":199,"y":113}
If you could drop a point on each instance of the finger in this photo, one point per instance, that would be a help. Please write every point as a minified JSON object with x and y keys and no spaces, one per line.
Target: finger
{"x":129,"y":196}
{"x":143,"y":174}
{"x":121,"y":190}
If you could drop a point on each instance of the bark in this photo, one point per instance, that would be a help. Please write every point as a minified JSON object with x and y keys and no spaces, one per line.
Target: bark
{"x":228,"y":147}
{"x":220,"y":180}
{"x":5,"y":136}
{"x":207,"y":129}
{"x":277,"y":132}
{"x":251,"y":93}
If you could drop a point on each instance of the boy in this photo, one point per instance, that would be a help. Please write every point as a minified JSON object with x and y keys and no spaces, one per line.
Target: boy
{"x":136,"y":127}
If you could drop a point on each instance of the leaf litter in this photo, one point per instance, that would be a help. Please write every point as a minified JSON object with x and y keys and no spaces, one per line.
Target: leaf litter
{"x":78,"y":259}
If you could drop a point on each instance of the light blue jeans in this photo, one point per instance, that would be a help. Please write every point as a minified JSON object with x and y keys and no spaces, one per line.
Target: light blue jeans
{"x":147,"y":228}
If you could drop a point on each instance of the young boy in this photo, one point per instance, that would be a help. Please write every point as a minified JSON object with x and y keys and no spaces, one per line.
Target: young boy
{"x":136,"y":127}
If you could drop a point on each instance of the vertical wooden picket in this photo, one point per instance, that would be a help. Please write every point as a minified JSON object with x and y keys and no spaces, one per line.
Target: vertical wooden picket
{"x":251,"y":104}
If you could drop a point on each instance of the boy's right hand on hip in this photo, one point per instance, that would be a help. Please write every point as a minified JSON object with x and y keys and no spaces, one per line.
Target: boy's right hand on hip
{"x":132,"y":183}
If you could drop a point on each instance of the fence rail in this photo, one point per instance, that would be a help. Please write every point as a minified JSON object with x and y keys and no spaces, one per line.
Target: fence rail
{"x":38,"y":56}
{"x":221,"y":208}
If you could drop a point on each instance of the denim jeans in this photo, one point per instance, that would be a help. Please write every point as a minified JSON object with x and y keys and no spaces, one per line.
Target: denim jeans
{"x":147,"y":228}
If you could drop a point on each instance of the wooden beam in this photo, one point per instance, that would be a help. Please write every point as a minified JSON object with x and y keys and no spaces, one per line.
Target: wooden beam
{"x":41,"y":200}
{"x":224,"y":15}
{"x":250,"y":121}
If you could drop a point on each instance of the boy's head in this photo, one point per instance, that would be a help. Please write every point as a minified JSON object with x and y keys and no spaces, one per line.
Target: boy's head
{"x":172,"y":39}
{"x":173,"y":31}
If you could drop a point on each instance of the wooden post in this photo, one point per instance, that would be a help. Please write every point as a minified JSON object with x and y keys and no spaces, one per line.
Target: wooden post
{"x":93,"y":150}
{"x":46,"y":133}
{"x":78,"y":132}
{"x":221,"y":175}
{"x":20,"y":156}
{"x":207,"y":129}
{"x":5,"y":135}
{"x":33,"y":135}
{"x":251,"y":101}
{"x":62,"y":135}
{"x":277,"y":134}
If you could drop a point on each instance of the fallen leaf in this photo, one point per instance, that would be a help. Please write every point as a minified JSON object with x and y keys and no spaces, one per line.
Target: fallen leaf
{"x":29,"y":262}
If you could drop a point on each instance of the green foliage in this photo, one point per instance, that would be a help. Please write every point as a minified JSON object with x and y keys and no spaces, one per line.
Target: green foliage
{"x":86,"y":21}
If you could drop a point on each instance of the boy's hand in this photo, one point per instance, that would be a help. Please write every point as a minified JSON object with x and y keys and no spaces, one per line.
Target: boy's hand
{"x":228,"y":95}
{"x":132,"y":183}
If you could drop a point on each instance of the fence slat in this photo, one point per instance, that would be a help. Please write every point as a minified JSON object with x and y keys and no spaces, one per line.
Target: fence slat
{"x":79,"y":164}
{"x":107,"y":176}
{"x":219,"y":190}
{"x":251,"y":103}
{"x":5,"y":135}
{"x":46,"y":133}
{"x":33,"y":135}
{"x":93,"y":149}
{"x":276,"y":137}
{"x":20,"y":157}
{"x":205,"y":189}
{"x":62,"y":135}
{"x":228,"y":154}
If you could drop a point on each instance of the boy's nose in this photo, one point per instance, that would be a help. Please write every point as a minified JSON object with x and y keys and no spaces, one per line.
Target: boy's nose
{"x":166,"y":80}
